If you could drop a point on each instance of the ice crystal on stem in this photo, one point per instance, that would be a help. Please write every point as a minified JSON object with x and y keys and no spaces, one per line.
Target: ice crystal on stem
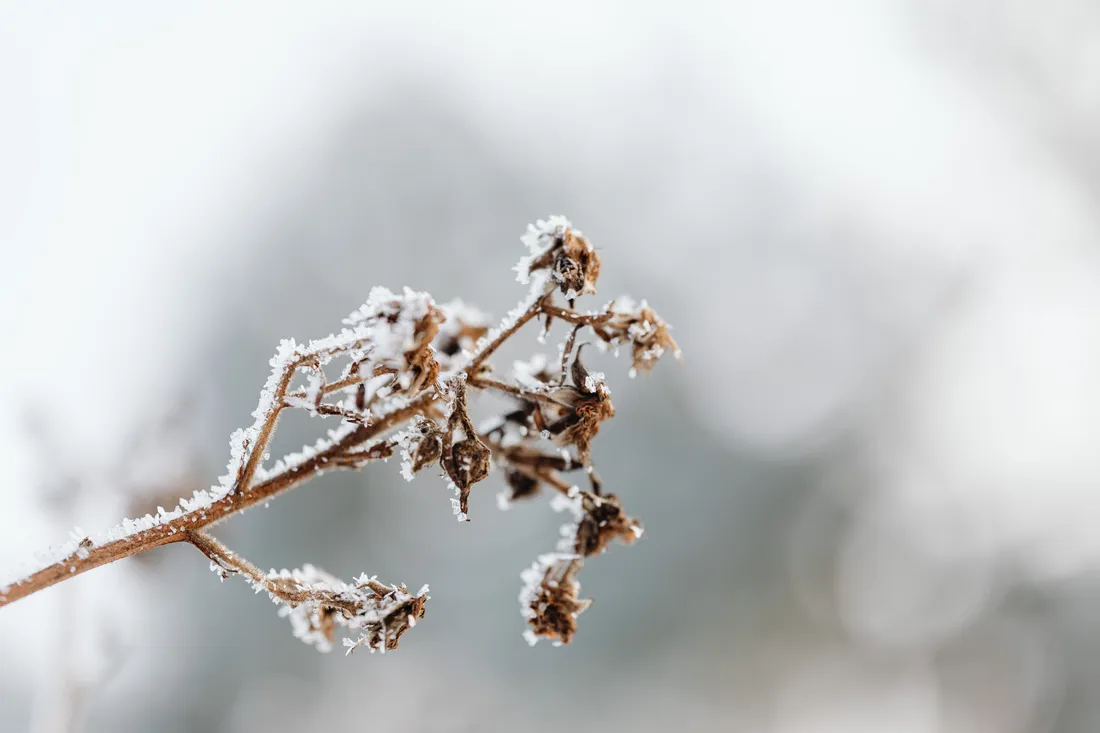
{"x":400,"y":377}
{"x":317,"y":603}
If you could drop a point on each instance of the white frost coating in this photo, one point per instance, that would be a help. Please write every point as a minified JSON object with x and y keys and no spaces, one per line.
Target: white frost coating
{"x":532,"y":583}
{"x":313,"y":389}
{"x":383,"y":302}
{"x":405,"y":440}
{"x":459,"y":310}
{"x":532,"y":580}
{"x":642,"y":328}
{"x":625,"y":305}
{"x":524,"y":371}
{"x":456,"y":313}
{"x":391,"y":322}
{"x":456,"y":507}
{"x":562,"y":503}
{"x":568,"y":531}
{"x":369,"y":330}
{"x":594,"y":383}
{"x":539,"y":238}
{"x":539,"y":281}
{"x":305,"y":618}
{"x":293,"y":460}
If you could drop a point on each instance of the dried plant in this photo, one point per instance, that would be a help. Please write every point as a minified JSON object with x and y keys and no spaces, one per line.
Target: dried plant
{"x":397,"y":379}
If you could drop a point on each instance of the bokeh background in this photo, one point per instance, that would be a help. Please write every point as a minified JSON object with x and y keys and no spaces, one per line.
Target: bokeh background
{"x":870,"y":492}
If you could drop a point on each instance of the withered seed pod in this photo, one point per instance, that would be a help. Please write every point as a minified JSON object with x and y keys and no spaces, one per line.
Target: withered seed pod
{"x":471,"y":461}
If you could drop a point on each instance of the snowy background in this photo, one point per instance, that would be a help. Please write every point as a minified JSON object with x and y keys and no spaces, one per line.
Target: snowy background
{"x":871,"y":492}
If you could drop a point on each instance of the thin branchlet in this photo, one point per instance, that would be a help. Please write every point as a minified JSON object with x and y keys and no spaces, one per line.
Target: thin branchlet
{"x":408,"y":368}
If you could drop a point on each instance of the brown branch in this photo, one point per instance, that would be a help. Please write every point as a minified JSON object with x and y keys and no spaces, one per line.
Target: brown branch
{"x":330,"y":387}
{"x":200,"y":518}
{"x":576,"y":318}
{"x":512,"y":389}
{"x":485,"y":353}
{"x":222,"y":556}
{"x":532,"y":469}
{"x":256,"y":452}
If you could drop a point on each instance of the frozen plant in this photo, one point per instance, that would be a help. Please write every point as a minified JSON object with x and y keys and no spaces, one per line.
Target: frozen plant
{"x":398,"y":378}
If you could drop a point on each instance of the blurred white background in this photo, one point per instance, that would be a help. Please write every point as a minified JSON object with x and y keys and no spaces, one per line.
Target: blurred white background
{"x":870,"y":492}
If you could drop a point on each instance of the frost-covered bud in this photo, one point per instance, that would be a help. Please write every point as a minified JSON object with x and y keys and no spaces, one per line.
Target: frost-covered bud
{"x":577,"y":266}
{"x":645,"y":331}
{"x":317,"y":603}
{"x":589,"y":383}
{"x":571,"y":261}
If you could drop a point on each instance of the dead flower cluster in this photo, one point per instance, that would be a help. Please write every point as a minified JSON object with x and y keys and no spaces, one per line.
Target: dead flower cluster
{"x":398,"y":379}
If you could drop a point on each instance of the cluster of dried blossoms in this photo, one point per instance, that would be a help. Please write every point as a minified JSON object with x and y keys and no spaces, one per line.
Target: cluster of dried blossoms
{"x":398,"y":378}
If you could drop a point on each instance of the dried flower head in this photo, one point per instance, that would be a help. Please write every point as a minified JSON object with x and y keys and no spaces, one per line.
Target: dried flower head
{"x":550,"y":599}
{"x":561,"y":250}
{"x":317,"y":603}
{"x":639,"y":326}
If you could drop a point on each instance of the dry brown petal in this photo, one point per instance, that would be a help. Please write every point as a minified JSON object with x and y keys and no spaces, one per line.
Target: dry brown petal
{"x":427,"y":451}
{"x":603,"y":521}
{"x":420,"y":360}
{"x":582,"y":425}
{"x":578,"y":249}
{"x":647,"y":333}
{"x":573,"y":263}
{"x":556,"y":606}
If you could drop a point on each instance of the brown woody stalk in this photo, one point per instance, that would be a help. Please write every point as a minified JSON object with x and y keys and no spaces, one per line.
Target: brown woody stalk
{"x":341,"y":455}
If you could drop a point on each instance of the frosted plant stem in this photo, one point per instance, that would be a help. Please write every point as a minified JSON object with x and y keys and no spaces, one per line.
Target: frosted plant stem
{"x":488,"y":350}
{"x":178,"y":529}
